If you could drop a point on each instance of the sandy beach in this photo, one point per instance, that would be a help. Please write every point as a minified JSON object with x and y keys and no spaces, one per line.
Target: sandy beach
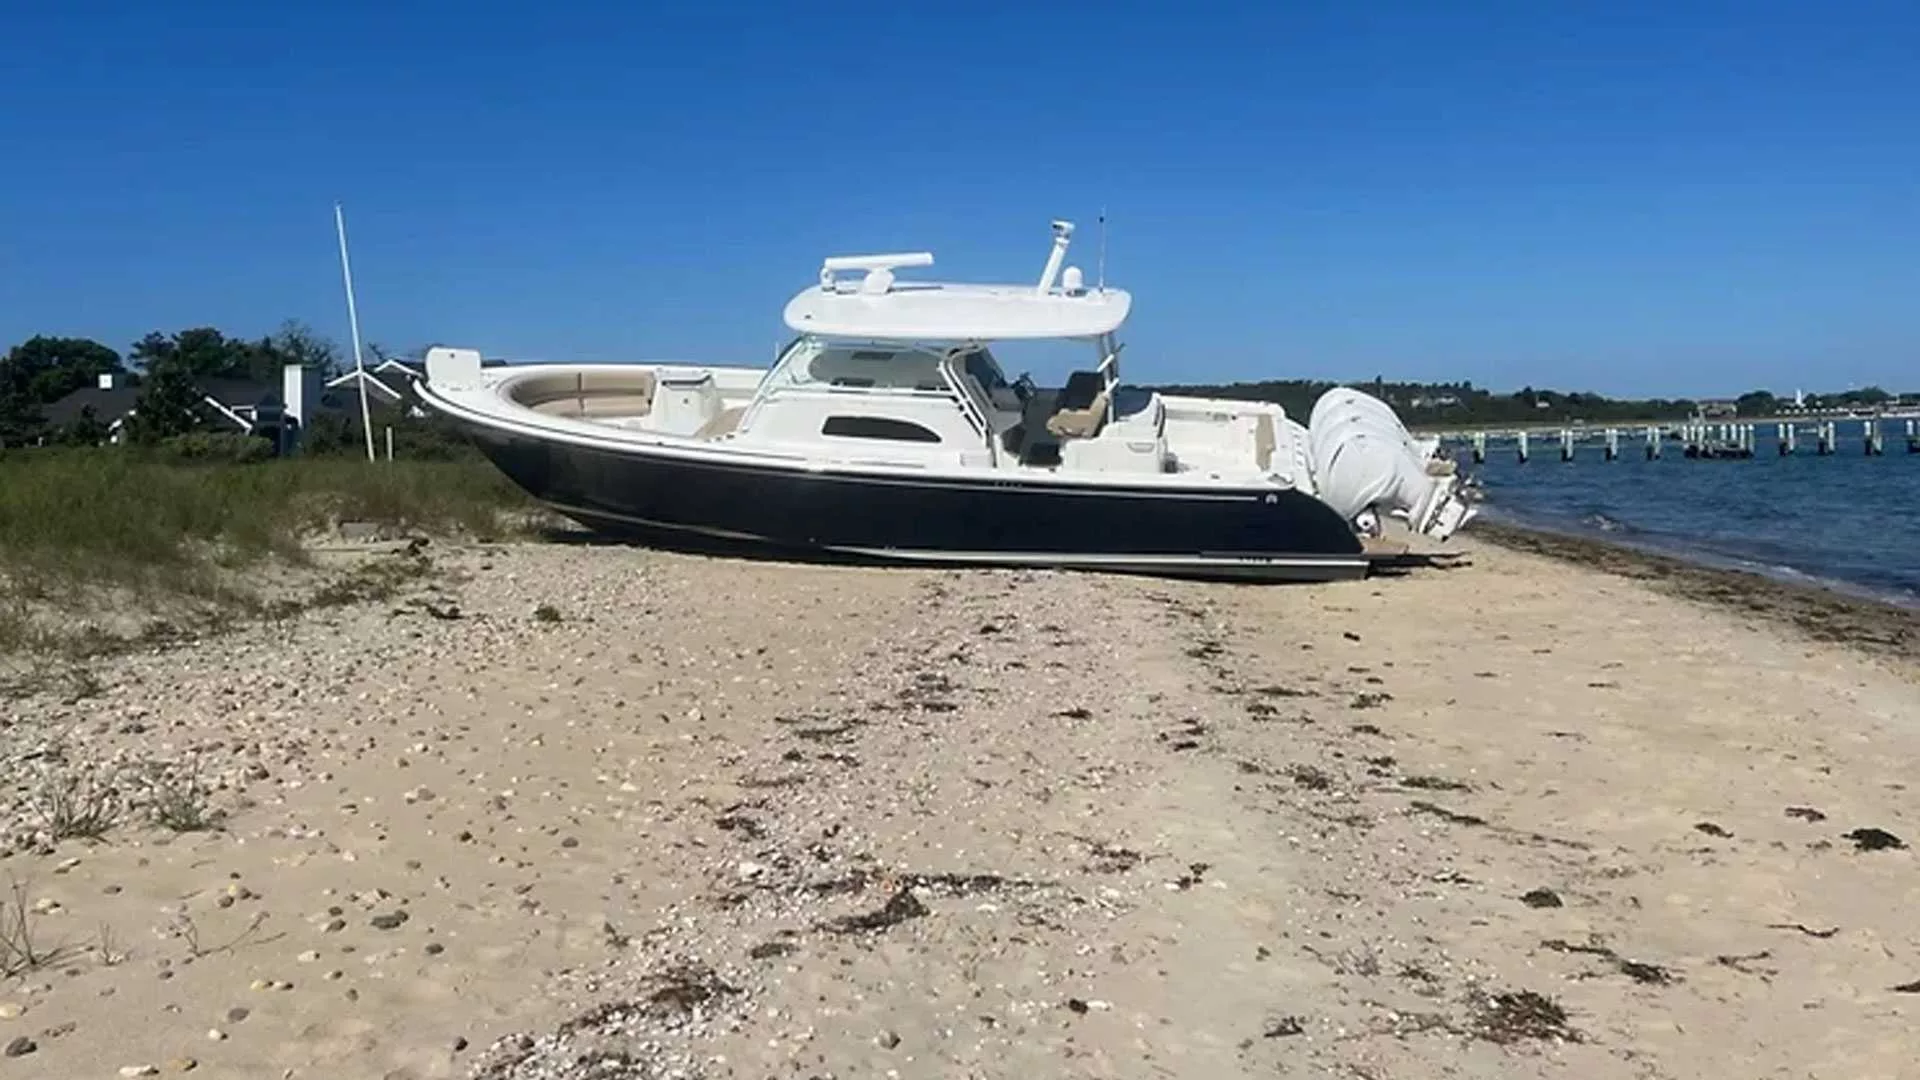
{"x":579,"y":811}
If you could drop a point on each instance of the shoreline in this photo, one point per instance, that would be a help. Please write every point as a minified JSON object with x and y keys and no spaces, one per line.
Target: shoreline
{"x":1833,"y":613}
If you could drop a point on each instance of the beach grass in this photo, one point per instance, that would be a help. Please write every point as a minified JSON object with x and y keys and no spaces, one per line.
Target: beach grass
{"x":75,"y":522}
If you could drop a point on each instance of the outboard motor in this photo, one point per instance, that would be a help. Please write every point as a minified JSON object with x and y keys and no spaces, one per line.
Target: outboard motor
{"x":1366,"y":464}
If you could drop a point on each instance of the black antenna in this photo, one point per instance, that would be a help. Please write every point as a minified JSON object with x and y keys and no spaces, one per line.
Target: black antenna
{"x":1102,"y":272}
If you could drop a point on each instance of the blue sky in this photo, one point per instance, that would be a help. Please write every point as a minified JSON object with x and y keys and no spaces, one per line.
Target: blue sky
{"x":1638,"y":198}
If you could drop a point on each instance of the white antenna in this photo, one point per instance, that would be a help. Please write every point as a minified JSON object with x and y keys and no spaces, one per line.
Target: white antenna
{"x":353,"y":325}
{"x":1101,"y":273}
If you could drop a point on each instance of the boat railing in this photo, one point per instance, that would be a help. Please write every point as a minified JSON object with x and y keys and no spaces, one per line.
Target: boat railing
{"x":1109,"y":369}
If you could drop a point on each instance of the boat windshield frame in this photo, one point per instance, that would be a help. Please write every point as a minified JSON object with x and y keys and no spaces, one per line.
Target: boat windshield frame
{"x":953,"y":359}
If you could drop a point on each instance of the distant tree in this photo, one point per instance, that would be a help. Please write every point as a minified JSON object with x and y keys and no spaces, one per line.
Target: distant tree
{"x":20,"y":420}
{"x":169,"y":404}
{"x":201,"y":352}
{"x":1757,"y":403}
{"x":86,"y":430}
{"x":1454,"y":404}
{"x":297,"y":343}
{"x":53,"y":367}
{"x":207,"y":353}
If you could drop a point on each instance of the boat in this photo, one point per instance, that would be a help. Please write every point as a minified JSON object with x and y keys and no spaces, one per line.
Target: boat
{"x":886,"y":429}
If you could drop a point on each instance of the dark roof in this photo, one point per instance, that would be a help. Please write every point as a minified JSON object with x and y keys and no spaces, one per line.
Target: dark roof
{"x":236,"y":392}
{"x":112,"y":404}
{"x":108,"y":405}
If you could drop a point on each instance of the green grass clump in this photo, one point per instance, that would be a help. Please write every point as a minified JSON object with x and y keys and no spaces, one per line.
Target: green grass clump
{"x":113,"y":515}
{"x":117,"y":517}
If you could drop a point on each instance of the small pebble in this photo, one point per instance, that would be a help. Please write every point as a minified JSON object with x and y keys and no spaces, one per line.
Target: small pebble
{"x":139,"y":1070}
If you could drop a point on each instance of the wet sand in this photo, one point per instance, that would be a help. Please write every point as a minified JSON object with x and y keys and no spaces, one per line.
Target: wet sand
{"x":569,"y":811}
{"x":1819,"y":613}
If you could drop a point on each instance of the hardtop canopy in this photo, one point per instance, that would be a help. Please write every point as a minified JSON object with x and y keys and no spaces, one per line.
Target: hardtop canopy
{"x":946,"y":312}
{"x":877,"y":307}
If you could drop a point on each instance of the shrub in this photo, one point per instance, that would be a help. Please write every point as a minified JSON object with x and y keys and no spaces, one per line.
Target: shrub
{"x":215,"y":447}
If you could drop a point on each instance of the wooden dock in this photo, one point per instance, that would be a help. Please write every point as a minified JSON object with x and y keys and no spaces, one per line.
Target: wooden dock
{"x":1704,"y":440}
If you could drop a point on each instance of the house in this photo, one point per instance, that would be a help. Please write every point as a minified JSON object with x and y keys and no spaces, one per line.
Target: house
{"x":110,"y":399}
{"x":245,"y":406}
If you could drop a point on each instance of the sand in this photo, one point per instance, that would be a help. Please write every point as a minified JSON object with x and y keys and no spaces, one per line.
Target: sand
{"x":600,"y":811}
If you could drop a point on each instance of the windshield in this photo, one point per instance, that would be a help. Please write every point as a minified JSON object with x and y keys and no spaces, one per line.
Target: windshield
{"x":980,"y":364}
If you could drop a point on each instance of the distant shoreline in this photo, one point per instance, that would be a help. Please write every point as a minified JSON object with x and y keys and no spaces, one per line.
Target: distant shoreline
{"x":1554,"y":426}
{"x":1878,"y":627}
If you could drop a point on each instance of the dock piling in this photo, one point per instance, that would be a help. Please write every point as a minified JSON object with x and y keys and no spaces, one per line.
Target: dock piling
{"x":1523,"y":448}
{"x":1566,"y":444}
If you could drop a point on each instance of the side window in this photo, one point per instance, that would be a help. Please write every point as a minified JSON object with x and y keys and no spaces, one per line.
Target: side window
{"x":878,"y":427}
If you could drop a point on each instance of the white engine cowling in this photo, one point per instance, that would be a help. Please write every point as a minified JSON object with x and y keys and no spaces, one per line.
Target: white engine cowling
{"x":1367,"y":464}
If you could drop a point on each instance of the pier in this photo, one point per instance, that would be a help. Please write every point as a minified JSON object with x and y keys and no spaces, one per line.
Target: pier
{"x":1699,"y":439}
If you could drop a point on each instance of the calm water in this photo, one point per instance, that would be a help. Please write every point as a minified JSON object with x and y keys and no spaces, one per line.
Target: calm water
{"x":1847,"y":520}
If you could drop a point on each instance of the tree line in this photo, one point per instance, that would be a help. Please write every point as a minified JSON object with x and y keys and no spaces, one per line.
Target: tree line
{"x":1462,"y":403}
{"x":166,"y":369}
{"x":169,"y":373}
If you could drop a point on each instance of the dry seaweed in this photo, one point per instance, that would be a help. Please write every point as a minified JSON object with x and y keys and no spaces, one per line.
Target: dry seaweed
{"x":1637,"y":970}
{"x":1433,"y":783}
{"x":1513,"y":1016}
{"x":1192,"y":877}
{"x":899,"y":908}
{"x":1872,"y":839}
{"x":1805,"y":929}
{"x":1310,"y":777}
{"x":1284,"y":1027}
{"x":1445,"y":814}
{"x":1282,"y":691}
{"x":679,"y":990}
